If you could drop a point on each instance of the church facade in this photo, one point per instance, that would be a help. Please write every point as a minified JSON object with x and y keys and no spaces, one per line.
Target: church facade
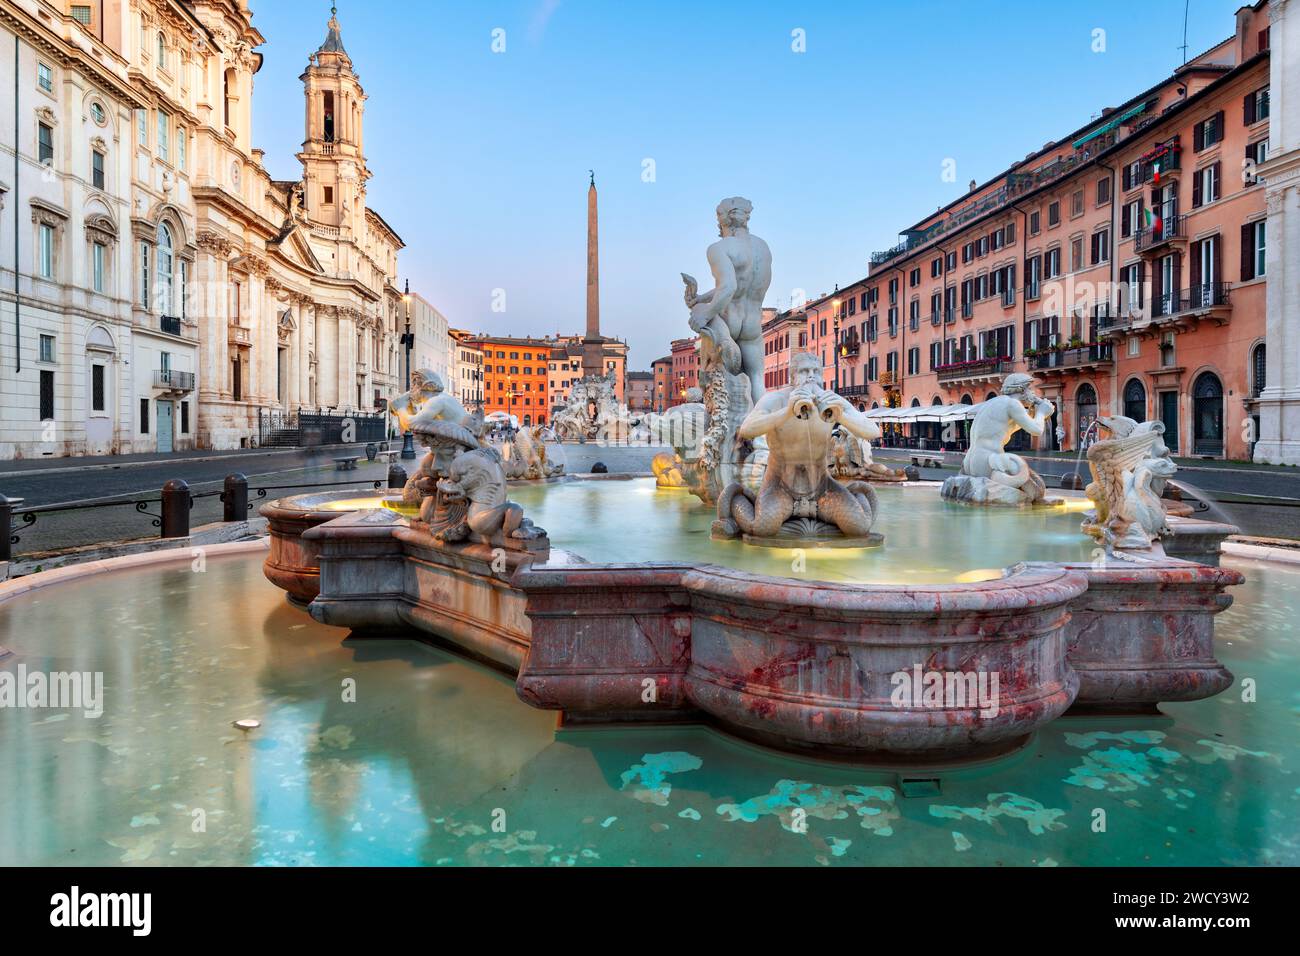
{"x":172,"y":293}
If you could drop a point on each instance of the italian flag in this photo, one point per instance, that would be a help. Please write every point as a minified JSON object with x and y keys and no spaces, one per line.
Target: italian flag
{"x":1155,"y":171}
{"x":1152,"y":220}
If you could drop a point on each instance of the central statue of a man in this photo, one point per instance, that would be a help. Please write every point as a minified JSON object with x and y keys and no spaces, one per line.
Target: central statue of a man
{"x":731,"y":314}
{"x":798,"y":422}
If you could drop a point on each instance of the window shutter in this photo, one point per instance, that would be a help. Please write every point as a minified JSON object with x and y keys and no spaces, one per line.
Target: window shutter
{"x":1247,"y":252}
{"x":1219,"y":128}
{"x":1196,"y":264}
{"x":1217,"y":258}
{"x":1011,"y":232}
{"x":1248,"y":109}
{"x":1142,"y":281}
{"x":1198,"y":138}
{"x":1126,"y":221}
{"x":1157,"y":283}
{"x":1128,"y":178}
{"x":1196,"y":188}
{"x":1218,"y":180}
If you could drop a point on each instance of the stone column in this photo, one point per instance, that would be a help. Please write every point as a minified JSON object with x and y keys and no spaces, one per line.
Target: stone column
{"x":1279,"y":404}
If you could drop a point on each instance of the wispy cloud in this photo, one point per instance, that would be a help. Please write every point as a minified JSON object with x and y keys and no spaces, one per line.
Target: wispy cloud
{"x":541,"y":18}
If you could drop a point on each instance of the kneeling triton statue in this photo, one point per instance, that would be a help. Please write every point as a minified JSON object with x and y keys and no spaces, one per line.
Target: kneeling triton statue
{"x":989,"y":475}
{"x":798,"y":499}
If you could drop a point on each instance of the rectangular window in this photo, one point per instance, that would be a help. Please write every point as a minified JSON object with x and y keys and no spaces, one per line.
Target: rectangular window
{"x":45,"y":77}
{"x":81,"y":13}
{"x":164,"y":142}
{"x":97,"y":169}
{"x":46,"y":252}
{"x":1034,"y":220}
{"x":1103,"y":191}
{"x":1255,"y":106}
{"x":1076,"y":254}
{"x":1053,"y":215}
{"x":47,"y":395}
{"x":144,"y":275}
{"x":1205,"y":185}
{"x":142,"y":127}
{"x":1101,"y":247}
{"x":1076,"y":203}
{"x":329,"y":195}
{"x":97,"y":388}
{"x":97,"y":266}
{"x":46,"y":348}
{"x":44,"y":144}
{"x":144,"y":416}
{"x":1208,"y":132}
{"x":1052,"y":263}
{"x":182,"y":143}
{"x":1259,"y":247}
{"x":185,"y":418}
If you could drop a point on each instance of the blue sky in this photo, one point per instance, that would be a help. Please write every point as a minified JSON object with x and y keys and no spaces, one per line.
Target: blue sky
{"x":480,"y":159}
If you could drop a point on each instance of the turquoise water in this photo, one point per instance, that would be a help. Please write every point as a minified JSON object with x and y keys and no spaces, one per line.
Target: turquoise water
{"x":435,"y":751}
{"x":927,"y":540}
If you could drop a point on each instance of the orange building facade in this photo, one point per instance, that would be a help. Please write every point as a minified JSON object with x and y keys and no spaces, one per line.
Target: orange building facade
{"x":783,"y":335}
{"x":1124,"y":267}
{"x":685,"y":369}
{"x":515,"y":372}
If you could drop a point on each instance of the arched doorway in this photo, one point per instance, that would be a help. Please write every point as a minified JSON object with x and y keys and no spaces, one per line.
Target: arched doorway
{"x":1135,"y":400}
{"x":1207,"y":415}
{"x":1085,"y":406}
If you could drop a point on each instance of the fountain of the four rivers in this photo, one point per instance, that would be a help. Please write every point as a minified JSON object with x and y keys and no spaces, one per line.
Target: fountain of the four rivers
{"x":772,"y":584}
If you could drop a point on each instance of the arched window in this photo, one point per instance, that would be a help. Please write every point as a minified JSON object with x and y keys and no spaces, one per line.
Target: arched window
{"x":164,"y":269}
{"x":1257,"y":366}
{"x":162,"y":50}
{"x":1135,"y":400}
{"x":228,"y":92}
{"x":967,"y":400}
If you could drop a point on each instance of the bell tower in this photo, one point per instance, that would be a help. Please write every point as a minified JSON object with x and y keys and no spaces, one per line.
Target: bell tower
{"x":333,"y":157}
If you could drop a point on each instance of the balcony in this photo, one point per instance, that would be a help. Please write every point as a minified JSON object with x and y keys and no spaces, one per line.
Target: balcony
{"x":170,"y":324}
{"x":849,"y":391}
{"x":173,"y":381}
{"x":978,"y":370}
{"x":239,"y":335}
{"x":1169,"y":156}
{"x":1177,"y":310}
{"x":1081,"y":358}
{"x":1151,"y":238}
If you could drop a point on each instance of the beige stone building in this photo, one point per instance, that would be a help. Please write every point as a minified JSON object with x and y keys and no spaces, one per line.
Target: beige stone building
{"x":164,"y":291}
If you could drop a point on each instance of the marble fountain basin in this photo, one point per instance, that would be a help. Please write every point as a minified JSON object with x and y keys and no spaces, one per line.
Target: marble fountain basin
{"x":969,"y":630}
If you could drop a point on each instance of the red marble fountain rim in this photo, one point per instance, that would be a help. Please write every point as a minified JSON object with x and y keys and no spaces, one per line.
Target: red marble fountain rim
{"x":1021,"y":587}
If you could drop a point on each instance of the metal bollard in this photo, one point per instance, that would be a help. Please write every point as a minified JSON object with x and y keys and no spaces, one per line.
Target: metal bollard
{"x":7,"y":506}
{"x":396,"y":476}
{"x":235,"y":498}
{"x":176,"y":509}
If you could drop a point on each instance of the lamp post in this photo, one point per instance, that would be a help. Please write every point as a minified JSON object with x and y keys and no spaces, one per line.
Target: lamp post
{"x":835,"y":315}
{"x":408,"y":343}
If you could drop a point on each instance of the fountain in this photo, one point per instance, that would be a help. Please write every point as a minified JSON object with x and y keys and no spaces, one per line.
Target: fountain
{"x":937,"y":633}
{"x":790,"y":619}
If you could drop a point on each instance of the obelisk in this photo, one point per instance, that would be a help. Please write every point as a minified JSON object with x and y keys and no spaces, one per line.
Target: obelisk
{"x":593,"y":351}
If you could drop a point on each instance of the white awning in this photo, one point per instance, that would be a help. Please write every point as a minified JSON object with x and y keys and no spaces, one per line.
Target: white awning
{"x":924,"y":413}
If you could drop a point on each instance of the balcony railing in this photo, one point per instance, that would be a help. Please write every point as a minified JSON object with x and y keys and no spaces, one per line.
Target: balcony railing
{"x":238,"y":335}
{"x":173,"y":380}
{"x":949,"y":316}
{"x":1008,"y":298}
{"x":1149,"y":237}
{"x":848,"y":391}
{"x":936,"y":318}
{"x":978,"y":368}
{"x":1097,"y":353}
{"x":170,"y":324}
{"x":967,"y":310}
{"x":1168,"y":154}
{"x":1207,"y":295}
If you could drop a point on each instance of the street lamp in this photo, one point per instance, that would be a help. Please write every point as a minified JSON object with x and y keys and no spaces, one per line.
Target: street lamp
{"x":408,"y":343}
{"x":835,"y":339}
